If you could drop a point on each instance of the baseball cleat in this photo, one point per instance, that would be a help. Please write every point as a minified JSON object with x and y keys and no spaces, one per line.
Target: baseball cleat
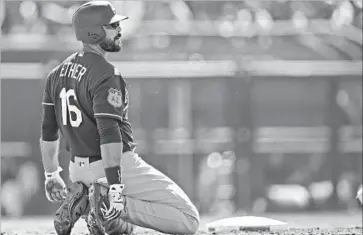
{"x":114,"y":226}
{"x":97,"y":224}
{"x":93,"y":225}
{"x":72,"y":208}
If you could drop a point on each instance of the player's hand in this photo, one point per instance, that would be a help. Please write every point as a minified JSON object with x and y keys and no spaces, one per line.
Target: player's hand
{"x":55,"y":188}
{"x":117,"y":202}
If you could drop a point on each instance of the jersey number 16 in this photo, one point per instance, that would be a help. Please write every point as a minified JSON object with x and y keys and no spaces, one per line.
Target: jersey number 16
{"x":67,"y":107}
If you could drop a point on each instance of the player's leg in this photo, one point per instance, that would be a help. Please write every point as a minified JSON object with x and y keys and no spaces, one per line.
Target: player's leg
{"x":96,"y":224}
{"x":80,"y":171}
{"x":76,"y":203}
{"x":153,"y":200}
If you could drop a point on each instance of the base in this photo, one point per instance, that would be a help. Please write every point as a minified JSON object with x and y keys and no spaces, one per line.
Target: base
{"x":246,"y":223}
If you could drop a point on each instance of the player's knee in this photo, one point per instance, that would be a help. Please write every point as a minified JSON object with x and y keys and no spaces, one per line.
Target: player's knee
{"x":194,"y":220}
{"x":193,"y":224}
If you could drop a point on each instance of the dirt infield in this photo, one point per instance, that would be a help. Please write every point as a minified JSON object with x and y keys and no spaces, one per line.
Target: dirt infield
{"x":299,"y":224}
{"x":311,"y":231}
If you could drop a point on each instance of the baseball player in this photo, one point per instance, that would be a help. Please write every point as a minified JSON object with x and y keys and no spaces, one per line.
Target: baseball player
{"x":86,"y":99}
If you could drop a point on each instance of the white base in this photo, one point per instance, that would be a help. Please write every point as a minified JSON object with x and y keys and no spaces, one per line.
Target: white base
{"x":359,"y":195}
{"x":246,"y":223}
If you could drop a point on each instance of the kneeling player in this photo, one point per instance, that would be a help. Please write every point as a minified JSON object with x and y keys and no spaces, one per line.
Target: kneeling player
{"x":86,"y":98}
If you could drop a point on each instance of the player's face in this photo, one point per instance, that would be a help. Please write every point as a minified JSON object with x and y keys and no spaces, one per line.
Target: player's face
{"x":112,"y":42}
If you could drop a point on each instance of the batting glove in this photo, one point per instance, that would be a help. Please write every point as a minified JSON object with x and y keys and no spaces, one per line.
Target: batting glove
{"x":55,"y":188}
{"x":116,"y":200}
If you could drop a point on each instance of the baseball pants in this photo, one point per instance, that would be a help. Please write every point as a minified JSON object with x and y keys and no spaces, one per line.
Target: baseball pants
{"x":153,"y":200}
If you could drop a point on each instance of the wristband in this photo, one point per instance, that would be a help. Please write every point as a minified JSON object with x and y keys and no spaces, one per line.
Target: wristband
{"x":53,"y":174}
{"x":113,"y":175}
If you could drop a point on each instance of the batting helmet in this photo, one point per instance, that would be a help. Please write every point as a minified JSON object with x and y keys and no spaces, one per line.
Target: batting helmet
{"x":90,"y":17}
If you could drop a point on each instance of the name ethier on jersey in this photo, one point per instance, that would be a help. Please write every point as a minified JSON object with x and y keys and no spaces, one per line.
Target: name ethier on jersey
{"x":73,"y":70}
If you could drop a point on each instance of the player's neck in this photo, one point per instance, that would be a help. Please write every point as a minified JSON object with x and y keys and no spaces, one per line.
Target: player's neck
{"x":95,"y":49}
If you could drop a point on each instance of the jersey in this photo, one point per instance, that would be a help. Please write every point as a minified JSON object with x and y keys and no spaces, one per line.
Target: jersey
{"x":82,"y":88}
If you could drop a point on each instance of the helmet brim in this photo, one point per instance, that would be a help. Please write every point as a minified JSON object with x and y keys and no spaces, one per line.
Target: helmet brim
{"x":118,"y":18}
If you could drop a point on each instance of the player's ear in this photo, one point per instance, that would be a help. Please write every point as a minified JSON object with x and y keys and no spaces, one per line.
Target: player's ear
{"x":95,"y":33}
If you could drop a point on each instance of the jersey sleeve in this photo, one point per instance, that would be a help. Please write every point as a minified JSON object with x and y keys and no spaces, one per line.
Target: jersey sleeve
{"x":108,"y":98}
{"x":47,"y":98}
{"x":49,"y":126}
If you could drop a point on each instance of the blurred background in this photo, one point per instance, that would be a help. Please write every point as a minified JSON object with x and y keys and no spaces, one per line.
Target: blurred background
{"x":250,"y":106}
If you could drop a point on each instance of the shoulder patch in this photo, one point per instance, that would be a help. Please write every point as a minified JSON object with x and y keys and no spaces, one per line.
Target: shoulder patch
{"x":117,"y":72}
{"x":114,"y":97}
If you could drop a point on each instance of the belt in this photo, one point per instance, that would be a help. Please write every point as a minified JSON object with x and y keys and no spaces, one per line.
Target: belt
{"x":90,"y":159}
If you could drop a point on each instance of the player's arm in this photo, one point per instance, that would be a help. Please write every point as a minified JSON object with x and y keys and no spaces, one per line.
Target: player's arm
{"x":111,"y":148}
{"x":49,"y":146}
{"x":108,"y":109}
{"x":50,"y":151}
{"x":49,"y":142}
